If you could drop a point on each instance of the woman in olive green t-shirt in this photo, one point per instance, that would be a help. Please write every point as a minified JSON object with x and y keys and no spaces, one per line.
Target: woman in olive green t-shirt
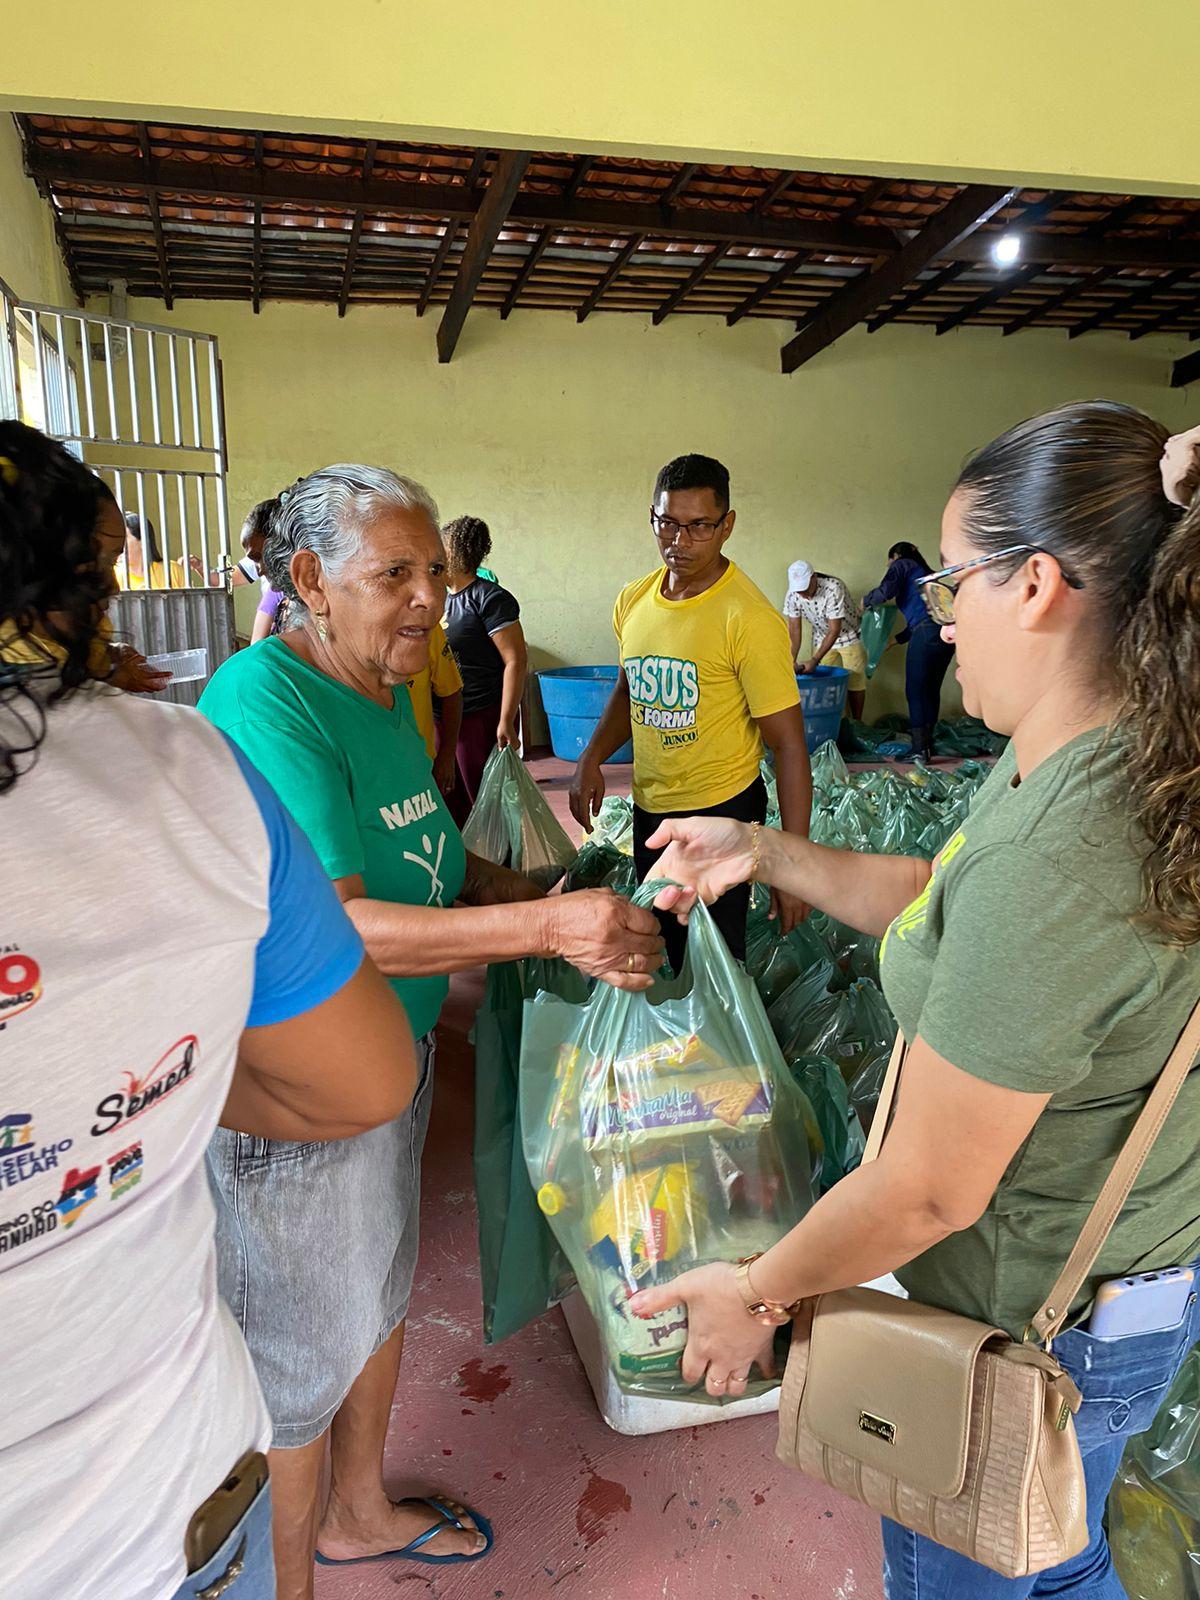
{"x":1043,"y":968}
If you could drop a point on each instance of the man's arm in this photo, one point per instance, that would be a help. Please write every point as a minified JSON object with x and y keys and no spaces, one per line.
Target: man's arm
{"x":827,"y":644}
{"x":612,"y":731}
{"x":793,"y":628}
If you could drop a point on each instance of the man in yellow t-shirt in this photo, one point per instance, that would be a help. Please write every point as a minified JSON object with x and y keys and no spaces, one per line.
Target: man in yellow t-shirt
{"x":442,"y":678}
{"x":706,"y":679}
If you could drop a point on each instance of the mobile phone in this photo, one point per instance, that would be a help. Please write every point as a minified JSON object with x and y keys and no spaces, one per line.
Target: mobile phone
{"x":215,"y":1519}
{"x":1145,"y":1302}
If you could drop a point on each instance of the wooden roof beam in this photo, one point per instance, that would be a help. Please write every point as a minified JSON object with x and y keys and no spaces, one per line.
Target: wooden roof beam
{"x":990,"y":297}
{"x":1168,"y":313}
{"x":1135,"y":292}
{"x":783,"y":274}
{"x":356,"y":228}
{"x":610,"y":275}
{"x":160,"y":242}
{"x":536,"y":251}
{"x":695,"y":276}
{"x":923,"y":290}
{"x":440,"y":256}
{"x":459,"y":202}
{"x":969,"y":210}
{"x":481,"y":239}
{"x":679,"y":183}
{"x":1031,"y":216}
{"x":1186,"y":370}
{"x":1062,"y":298}
{"x":579,"y":177}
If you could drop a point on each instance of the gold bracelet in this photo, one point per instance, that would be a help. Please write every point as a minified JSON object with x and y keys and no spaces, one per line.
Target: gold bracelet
{"x":756,"y":847}
{"x":771,"y":1310}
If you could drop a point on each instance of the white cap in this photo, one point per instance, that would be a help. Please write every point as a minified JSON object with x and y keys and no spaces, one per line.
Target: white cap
{"x":800,"y":575}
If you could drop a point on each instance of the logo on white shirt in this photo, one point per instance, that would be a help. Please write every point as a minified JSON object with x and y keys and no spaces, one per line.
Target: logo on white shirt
{"x":170,"y":1072}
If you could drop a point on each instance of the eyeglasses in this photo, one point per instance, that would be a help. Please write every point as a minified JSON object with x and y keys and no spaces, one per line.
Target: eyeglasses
{"x":667,"y":528}
{"x":939,"y":595}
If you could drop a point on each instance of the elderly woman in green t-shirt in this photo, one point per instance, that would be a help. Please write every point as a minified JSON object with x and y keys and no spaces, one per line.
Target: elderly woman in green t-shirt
{"x":317,"y":1243}
{"x":1042,"y":969}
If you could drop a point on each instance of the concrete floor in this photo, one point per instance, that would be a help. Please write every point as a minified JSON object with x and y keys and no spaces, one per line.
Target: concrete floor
{"x":579,"y":1511}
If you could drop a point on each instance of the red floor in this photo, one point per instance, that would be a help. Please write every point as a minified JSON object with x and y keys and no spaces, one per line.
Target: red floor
{"x":579,"y":1511}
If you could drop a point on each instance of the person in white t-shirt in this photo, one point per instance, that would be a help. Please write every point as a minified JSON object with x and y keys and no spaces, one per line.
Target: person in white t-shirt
{"x":826,"y":605}
{"x":171,"y":954}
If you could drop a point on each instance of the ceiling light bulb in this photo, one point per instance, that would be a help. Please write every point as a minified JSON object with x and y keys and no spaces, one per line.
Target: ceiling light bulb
{"x":1006,"y":249}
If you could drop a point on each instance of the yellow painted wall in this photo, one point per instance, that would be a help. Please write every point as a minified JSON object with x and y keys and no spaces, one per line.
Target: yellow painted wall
{"x":30,"y":262}
{"x":553,"y":432}
{"x":1077,"y":91}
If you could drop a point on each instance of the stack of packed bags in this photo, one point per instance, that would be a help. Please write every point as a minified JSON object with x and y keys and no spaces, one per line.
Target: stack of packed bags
{"x":963,"y":737}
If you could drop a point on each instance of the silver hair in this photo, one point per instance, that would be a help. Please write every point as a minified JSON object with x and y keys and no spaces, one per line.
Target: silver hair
{"x":327,"y":513}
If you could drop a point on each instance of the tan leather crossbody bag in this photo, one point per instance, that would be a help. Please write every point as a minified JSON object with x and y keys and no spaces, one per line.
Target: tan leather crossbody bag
{"x":946,"y":1425}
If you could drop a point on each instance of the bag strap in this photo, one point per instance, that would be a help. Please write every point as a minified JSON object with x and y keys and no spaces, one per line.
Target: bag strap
{"x":1112,"y":1197}
{"x":1120,"y":1180}
{"x":887,"y":1095}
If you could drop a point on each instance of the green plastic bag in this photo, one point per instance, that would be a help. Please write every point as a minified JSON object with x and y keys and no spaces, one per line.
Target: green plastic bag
{"x":614,"y":823}
{"x":522,"y":1269}
{"x":828,"y":768}
{"x":512,"y":825}
{"x":601,"y":866}
{"x":839,"y":1142}
{"x":1154,"y":1507}
{"x":662,"y":1132}
{"x":876,"y":629}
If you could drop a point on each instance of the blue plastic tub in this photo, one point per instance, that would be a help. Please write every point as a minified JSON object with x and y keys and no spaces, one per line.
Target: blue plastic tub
{"x":574,"y":699}
{"x":823,"y":701}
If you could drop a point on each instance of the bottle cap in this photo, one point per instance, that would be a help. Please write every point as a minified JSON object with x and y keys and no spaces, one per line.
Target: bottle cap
{"x":551,"y":1199}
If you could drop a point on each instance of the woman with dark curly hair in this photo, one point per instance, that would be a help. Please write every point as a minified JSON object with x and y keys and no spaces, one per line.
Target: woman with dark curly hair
{"x":171,"y":954}
{"x":483,"y":623}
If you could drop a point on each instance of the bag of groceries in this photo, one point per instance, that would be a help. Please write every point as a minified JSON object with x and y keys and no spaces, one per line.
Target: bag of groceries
{"x":662,"y":1132}
{"x":512,"y":825}
{"x":522,"y":1269}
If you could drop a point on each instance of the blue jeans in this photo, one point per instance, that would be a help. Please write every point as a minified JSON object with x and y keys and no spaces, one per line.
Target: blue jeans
{"x":1123,"y":1382}
{"x":244,"y":1567}
{"x":924,"y":668}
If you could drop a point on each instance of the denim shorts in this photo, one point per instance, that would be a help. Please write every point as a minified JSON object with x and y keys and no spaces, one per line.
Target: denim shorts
{"x":244,"y":1567}
{"x":316,"y":1251}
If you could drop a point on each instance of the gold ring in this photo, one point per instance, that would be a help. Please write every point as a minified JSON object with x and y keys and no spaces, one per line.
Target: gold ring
{"x":629,"y":961}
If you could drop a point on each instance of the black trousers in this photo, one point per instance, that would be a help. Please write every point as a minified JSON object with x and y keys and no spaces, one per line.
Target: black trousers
{"x":729,"y":912}
{"x":925,"y":667}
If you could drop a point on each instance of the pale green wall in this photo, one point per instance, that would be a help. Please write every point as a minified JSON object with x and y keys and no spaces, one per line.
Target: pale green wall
{"x":30,"y":262}
{"x":553,"y":432}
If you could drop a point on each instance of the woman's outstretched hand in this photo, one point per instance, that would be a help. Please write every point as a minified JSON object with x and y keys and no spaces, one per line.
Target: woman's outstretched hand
{"x":708,"y":855}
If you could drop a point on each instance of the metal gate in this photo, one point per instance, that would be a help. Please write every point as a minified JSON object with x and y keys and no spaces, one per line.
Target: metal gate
{"x":142,"y":406}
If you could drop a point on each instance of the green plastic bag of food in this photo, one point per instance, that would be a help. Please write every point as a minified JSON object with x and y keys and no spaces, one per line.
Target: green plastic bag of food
{"x":839,"y":1143}
{"x":662,"y":1132}
{"x":512,"y":825}
{"x":876,"y":629}
{"x":828,"y":769}
{"x":803,"y":1010}
{"x":614,"y":823}
{"x":601,"y":866}
{"x":522,"y":1269}
{"x":1154,"y":1507}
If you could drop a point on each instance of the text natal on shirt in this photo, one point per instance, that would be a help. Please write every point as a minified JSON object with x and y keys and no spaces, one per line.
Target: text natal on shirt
{"x":701,"y":672}
{"x":356,"y":777}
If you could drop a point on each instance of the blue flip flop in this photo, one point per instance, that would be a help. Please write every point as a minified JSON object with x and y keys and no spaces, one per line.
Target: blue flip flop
{"x":412,"y":1551}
